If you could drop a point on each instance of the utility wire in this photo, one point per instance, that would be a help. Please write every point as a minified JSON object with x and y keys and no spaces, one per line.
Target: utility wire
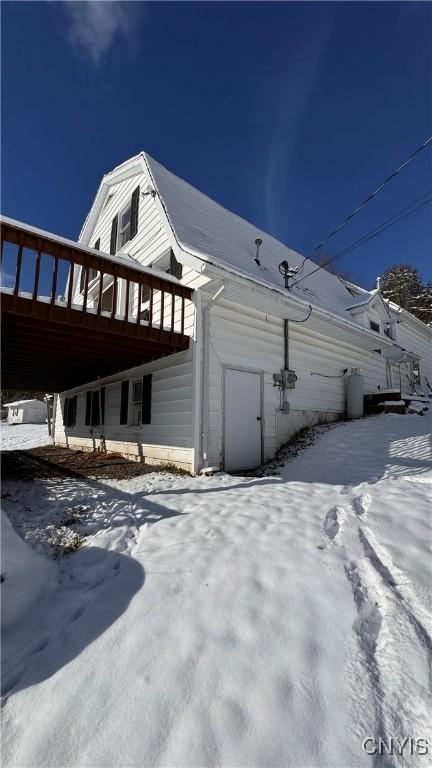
{"x":395,"y":216}
{"x":378,"y":231}
{"x":366,"y":201}
{"x":395,"y":219}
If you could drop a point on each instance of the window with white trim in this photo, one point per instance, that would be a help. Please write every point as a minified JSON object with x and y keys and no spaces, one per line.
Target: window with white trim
{"x":374,"y":326}
{"x":124,"y":226}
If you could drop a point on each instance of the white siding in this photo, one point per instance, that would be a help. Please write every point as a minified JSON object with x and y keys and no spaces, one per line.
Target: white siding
{"x":192,"y":280}
{"x":150,"y":244}
{"x":169,"y":436}
{"x":240,"y":337}
{"x":151,"y":240}
{"x":246,"y":338}
{"x":30,"y":413}
{"x":414,"y":338}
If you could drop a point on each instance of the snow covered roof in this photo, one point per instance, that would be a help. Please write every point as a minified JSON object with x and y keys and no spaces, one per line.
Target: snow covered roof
{"x":216,"y":235}
{"x":18,"y":403}
{"x":363,"y":299}
{"x":362,"y":296}
{"x":375,"y":297}
{"x":352,"y":288}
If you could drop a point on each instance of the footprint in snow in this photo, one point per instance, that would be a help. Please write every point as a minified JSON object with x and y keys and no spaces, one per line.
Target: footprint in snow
{"x":332,"y":522}
{"x":368,"y":623}
{"x":361,"y":504}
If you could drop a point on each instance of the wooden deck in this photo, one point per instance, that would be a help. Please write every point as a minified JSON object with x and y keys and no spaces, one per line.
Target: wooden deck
{"x":51,"y":342}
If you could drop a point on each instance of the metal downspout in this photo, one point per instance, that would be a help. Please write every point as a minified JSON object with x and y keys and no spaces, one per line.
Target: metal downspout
{"x":286,"y":345}
{"x":206,"y":376}
{"x":102,"y":426}
{"x":197,"y":351}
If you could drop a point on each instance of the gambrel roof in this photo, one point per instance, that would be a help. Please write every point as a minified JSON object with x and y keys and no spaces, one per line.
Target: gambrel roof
{"x":206,"y":229}
{"x":216,"y":236}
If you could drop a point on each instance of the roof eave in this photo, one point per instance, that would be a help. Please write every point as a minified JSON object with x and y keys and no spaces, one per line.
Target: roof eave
{"x":118,"y":174}
{"x":289,"y":301}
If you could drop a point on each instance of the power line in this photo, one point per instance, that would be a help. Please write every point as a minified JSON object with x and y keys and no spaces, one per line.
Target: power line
{"x":381,"y":227}
{"x":369,"y":236}
{"x":366,"y":201}
{"x":378,"y":230}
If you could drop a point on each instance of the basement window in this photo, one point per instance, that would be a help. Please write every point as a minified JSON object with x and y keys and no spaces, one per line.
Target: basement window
{"x":374,"y":326}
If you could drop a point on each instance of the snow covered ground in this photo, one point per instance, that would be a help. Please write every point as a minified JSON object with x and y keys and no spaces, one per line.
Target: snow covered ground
{"x":17,"y":437}
{"x":227,"y":621}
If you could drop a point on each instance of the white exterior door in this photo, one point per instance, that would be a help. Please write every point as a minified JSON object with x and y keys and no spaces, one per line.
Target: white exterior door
{"x":242,"y":419}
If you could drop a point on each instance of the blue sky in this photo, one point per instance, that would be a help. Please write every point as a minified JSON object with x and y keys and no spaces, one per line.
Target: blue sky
{"x":287,"y":113}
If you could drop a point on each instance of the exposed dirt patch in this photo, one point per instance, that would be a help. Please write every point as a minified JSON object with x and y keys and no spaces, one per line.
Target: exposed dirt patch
{"x":53,"y":461}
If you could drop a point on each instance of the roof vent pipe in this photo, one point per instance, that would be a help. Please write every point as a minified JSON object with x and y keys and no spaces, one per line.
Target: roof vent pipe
{"x":258,"y":243}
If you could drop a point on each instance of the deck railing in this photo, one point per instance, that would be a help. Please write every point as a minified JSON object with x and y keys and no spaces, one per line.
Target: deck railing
{"x":105,"y":280}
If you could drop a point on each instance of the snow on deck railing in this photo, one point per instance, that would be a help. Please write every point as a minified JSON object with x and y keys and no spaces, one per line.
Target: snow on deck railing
{"x":96,"y":283}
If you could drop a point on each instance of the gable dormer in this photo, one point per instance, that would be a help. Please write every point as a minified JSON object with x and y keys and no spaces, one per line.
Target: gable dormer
{"x":371,"y":311}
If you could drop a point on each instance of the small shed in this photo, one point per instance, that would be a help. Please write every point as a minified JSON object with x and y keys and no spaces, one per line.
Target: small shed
{"x":26,"y":412}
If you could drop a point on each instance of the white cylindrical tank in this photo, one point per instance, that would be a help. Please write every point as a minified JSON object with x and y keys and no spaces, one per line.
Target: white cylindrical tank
{"x":355,"y":401}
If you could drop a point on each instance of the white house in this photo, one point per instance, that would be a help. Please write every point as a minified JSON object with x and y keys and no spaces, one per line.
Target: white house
{"x":26,"y":412}
{"x":263,"y":360}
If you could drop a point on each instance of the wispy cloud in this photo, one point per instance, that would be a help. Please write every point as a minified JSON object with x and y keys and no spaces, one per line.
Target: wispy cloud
{"x":294,"y":99}
{"x":94,"y":26}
